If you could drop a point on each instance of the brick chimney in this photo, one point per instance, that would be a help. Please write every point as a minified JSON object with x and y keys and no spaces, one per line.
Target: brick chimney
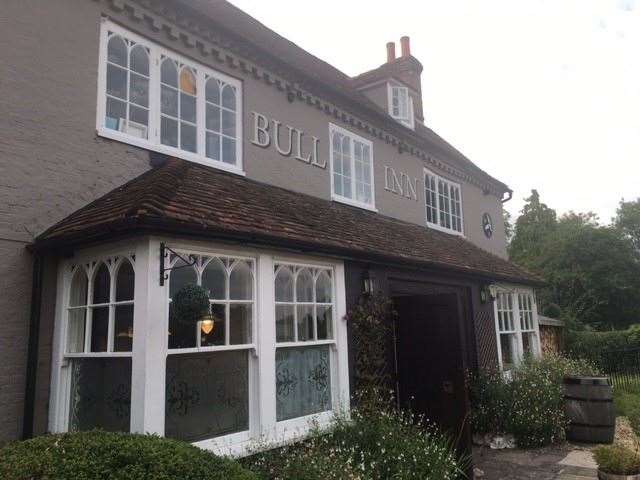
{"x":406,"y":69}
{"x":405,"y":46}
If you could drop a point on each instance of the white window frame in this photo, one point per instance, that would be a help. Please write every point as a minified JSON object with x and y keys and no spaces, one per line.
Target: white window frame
{"x":340,"y":198}
{"x":296,"y":424}
{"x":153,"y":142}
{"x":150,"y":346}
{"x":437,"y":226}
{"x":515,"y":292}
{"x":61,"y":359}
{"x":409,"y":120}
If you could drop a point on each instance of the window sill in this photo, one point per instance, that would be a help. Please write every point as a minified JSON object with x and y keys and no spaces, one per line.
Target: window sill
{"x":353,"y":203}
{"x":445,"y":230}
{"x":174,"y":152}
{"x":310,"y":343}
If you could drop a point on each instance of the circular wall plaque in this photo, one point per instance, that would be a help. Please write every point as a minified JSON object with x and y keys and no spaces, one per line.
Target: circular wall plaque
{"x":487,"y":225}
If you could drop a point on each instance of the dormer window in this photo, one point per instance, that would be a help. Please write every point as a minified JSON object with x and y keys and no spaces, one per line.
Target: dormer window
{"x":401,"y":105}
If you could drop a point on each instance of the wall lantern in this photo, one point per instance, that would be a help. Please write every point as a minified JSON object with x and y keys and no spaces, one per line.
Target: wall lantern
{"x":485,"y":294}
{"x":368,"y":283}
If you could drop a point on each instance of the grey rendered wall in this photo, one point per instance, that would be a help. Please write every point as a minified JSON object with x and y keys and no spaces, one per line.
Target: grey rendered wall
{"x":52,"y":162}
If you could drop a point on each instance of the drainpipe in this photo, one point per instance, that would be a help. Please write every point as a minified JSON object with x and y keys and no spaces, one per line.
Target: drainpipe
{"x":509,"y":196}
{"x":32,"y":352}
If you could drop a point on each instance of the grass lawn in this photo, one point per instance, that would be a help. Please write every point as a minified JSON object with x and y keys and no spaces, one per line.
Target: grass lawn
{"x":626,"y":402}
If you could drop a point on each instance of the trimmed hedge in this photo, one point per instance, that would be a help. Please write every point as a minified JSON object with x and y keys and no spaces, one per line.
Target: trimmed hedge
{"x":99,"y":455}
{"x":591,"y":345}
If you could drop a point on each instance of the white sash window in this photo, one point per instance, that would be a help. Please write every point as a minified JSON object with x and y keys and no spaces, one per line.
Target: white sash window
{"x":443,"y":203}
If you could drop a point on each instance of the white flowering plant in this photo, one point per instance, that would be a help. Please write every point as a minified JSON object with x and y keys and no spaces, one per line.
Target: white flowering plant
{"x":393,"y":444}
{"x":529,"y":403}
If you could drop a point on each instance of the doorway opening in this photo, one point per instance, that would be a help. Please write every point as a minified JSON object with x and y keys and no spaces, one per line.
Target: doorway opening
{"x":429,"y":359}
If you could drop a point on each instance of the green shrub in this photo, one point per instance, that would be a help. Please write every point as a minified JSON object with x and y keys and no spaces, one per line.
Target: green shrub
{"x":389,"y":445}
{"x":592,"y":345}
{"x":529,"y":403}
{"x":491,"y":398}
{"x":617,"y":459}
{"x":98,"y":455}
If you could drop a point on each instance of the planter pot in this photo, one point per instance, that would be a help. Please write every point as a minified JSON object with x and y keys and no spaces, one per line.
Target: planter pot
{"x":612,"y":476}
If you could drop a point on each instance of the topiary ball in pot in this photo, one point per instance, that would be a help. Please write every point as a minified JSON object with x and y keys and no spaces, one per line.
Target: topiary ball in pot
{"x":189,"y":304}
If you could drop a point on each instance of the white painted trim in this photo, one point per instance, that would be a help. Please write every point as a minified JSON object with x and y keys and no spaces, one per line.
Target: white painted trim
{"x":437,"y":226}
{"x":339,"y":198}
{"x":150,"y":344}
{"x":514,"y":291}
{"x":410,"y":121}
{"x":153,"y":142}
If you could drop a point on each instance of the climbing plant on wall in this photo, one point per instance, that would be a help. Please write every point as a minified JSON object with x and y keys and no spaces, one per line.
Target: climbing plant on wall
{"x":371,"y":326}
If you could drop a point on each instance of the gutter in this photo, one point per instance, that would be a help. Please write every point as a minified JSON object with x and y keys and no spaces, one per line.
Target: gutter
{"x":509,"y":197}
{"x":32,"y":352}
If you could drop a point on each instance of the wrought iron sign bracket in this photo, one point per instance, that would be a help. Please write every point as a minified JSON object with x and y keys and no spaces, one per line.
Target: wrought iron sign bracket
{"x":189,"y":261}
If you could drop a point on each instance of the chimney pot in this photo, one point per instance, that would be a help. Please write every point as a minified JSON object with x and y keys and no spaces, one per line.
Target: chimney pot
{"x":391,"y":52}
{"x":405,"y":46}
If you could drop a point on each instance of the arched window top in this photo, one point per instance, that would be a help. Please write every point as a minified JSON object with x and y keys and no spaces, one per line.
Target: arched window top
{"x":125,"y":281}
{"x":284,"y":285}
{"x":101,"y":284}
{"x":117,"y":51}
{"x":213,"y":91}
{"x":241,"y":281}
{"x":140,"y":60}
{"x":323,"y":287}
{"x":304,"y":286}
{"x":229,"y":97}
{"x":79,"y":287}
{"x":214,"y":279}
{"x":180,"y":277}
{"x":188,"y":81}
{"x":346,"y":147}
{"x":336,"y":140}
{"x":169,"y":73}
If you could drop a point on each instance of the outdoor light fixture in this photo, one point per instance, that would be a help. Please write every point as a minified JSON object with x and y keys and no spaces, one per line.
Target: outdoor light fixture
{"x":369,"y":283}
{"x":485,"y":294}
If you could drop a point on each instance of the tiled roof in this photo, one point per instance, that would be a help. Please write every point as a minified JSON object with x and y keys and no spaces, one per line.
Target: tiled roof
{"x":181,"y":197}
{"x":321,"y":78}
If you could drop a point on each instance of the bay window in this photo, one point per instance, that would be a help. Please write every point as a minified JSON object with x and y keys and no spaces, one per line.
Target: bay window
{"x":156,"y":99}
{"x":516,"y":326}
{"x":265,"y":362}
{"x":443,"y":202}
{"x":351,"y":168}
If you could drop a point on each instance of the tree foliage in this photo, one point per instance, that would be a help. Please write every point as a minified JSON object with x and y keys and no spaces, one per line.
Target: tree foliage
{"x":592,"y":271}
{"x":628,"y":220}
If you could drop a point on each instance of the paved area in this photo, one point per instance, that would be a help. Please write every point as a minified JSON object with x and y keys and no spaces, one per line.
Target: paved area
{"x":563,"y":462}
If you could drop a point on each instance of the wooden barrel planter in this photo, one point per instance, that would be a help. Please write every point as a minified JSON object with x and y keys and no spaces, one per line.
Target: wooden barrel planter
{"x":589,"y":407}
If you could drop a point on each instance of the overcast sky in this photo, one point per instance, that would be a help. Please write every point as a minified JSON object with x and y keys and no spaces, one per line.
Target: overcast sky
{"x":539,"y":93}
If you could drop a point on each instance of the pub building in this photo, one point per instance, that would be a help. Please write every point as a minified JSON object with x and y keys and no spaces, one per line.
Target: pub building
{"x":153,"y":145}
